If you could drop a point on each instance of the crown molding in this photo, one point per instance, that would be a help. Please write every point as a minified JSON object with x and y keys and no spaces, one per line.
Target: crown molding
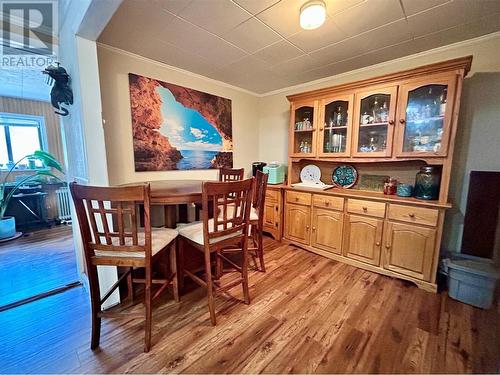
{"x":305,"y":85}
{"x":176,"y":69}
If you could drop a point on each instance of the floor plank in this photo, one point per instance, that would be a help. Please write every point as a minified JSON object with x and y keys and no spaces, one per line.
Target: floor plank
{"x":308,"y":315}
{"x":37,"y":262}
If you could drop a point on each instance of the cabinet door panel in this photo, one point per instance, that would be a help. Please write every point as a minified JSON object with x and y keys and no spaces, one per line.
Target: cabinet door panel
{"x":373,"y":127}
{"x":270,"y":213}
{"x":335,"y":126}
{"x":327,"y":230}
{"x":409,"y":250}
{"x":425,"y":116}
{"x":297,"y":223}
{"x":303,"y":128}
{"x":362,"y":238}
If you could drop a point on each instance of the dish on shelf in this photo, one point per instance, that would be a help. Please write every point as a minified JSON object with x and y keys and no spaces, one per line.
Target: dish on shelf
{"x":310,"y":174}
{"x":344,"y":176}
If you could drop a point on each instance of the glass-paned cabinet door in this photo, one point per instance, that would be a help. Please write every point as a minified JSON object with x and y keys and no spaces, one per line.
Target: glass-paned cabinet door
{"x":335,"y":128}
{"x":303,"y":129}
{"x":374,"y":122}
{"x":425,"y":117}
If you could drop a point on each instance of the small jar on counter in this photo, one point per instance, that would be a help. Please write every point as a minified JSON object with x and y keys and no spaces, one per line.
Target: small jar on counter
{"x":390,"y":186}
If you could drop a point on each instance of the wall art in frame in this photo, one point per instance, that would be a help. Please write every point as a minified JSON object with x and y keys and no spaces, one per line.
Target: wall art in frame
{"x":178,"y":128}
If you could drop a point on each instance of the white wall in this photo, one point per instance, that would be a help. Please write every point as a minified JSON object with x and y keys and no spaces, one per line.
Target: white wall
{"x":114,"y":67}
{"x":478,"y":139}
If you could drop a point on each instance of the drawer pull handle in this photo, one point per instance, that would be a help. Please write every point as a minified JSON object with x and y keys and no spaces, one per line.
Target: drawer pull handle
{"x":314,"y":228}
{"x":296,"y":199}
{"x":327,"y":203}
{"x":412,"y":215}
{"x":365,"y":208}
{"x":387,"y":246}
{"x":378,"y":243}
{"x":307,"y":227}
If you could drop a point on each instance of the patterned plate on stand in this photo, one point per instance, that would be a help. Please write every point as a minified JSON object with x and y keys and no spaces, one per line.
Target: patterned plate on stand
{"x":344,"y":176}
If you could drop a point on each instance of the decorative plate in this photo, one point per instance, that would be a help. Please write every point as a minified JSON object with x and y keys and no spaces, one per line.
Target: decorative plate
{"x":310,"y":174}
{"x":344,"y":176}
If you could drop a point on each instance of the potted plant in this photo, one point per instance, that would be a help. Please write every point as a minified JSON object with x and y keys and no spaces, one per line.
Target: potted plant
{"x":8,"y":224}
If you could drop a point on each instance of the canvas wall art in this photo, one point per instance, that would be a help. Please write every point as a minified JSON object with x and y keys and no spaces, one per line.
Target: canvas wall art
{"x":178,"y":128}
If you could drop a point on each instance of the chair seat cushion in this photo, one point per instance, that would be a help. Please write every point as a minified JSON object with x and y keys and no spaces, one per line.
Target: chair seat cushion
{"x":160,"y":238}
{"x":194,"y":232}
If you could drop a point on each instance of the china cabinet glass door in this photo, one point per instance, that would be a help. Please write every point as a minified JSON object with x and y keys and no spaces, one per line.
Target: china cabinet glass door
{"x":425,"y":118}
{"x":335,"y":131}
{"x":374,"y":122}
{"x":303,"y":139}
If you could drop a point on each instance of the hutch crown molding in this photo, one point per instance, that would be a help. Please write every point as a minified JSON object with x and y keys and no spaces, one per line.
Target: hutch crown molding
{"x":390,"y":125}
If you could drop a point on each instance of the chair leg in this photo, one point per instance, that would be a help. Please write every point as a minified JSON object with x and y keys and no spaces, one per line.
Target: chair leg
{"x":218,"y":265}
{"x":130,"y":285}
{"x":260,"y":250}
{"x":95,"y":300}
{"x":210,"y":288}
{"x":180,"y":264}
{"x":173,"y":270}
{"x":148,"y":304}
{"x":244,"y":272}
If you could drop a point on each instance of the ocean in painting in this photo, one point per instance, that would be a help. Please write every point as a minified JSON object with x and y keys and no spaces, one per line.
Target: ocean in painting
{"x":196,"y":159}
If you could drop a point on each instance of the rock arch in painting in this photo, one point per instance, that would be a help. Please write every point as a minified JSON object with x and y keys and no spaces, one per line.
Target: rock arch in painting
{"x":154,"y":151}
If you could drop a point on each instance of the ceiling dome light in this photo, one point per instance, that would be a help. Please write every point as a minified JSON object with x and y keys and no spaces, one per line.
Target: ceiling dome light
{"x":312,"y":15}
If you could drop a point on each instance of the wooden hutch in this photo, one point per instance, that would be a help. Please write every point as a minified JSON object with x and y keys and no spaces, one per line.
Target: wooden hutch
{"x":416,"y":126}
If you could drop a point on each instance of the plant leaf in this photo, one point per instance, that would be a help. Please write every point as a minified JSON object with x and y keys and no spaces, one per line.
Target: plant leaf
{"x":48,"y":159}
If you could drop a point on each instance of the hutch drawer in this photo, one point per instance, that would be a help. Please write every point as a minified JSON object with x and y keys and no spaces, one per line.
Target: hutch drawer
{"x":325,"y":201}
{"x":273,"y":194}
{"x":358,"y":206}
{"x":416,"y":215}
{"x":297,"y":197}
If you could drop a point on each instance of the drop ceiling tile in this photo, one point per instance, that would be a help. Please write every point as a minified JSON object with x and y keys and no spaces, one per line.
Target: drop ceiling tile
{"x":218,"y":16}
{"x":387,"y":35}
{"x":412,"y":6}
{"x":172,"y":6}
{"x":481,"y":26}
{"x":336,"y":52}
{"x":283,"y":17}
{"x":310,"y":40}
{"x":189,"y":37}
{"x":368,"y":15}
{"x":147,"y":20}
{"x":334,"y":7}
{"x":278,"y":53}
{"x":294,"y":66}
{"x":256,"y":6}
{"x":438,"y":18}
{"x":252,"y":35}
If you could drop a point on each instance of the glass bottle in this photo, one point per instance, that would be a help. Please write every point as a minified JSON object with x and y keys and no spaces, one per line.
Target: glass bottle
{"x":375,"y":110}
{"x":442,"y":106}
{"x":383,"y":112}
{"x":301,"y":147}
{"x":339,"y":118}
{"x":427,"y":183}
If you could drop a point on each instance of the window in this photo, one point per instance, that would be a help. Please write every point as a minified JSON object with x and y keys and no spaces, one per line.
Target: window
{"x":20,"y":135}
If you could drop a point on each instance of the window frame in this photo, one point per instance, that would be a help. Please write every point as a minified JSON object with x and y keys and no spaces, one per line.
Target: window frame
{"x":42,"y":131}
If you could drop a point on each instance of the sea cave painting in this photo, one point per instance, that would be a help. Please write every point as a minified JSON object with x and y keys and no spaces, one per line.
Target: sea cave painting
{"x":177,"y":128}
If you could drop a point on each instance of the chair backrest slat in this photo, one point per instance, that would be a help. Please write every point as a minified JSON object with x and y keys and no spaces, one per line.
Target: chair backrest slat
{"x":230,"y":210}
{"x":259,"y":194}
{"x":102,"y":209}
{"x":230,"y":174}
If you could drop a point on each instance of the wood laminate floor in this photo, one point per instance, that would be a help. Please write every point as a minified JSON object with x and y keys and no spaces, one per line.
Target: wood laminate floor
{"x":35,"y":263}
{"x":308,"y":314}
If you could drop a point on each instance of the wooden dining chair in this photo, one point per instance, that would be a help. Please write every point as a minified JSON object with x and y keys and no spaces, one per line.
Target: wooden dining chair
{"x":107,"y":217}
{"x":256,"y":240}
{"x":230,"y":174}
{"x":227,"y":228}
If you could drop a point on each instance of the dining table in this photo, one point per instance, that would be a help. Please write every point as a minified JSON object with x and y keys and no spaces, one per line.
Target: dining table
{"x":172,"y":193}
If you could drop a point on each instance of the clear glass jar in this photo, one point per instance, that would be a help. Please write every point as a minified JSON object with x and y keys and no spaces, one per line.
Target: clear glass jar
{"x":427,"y":183}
